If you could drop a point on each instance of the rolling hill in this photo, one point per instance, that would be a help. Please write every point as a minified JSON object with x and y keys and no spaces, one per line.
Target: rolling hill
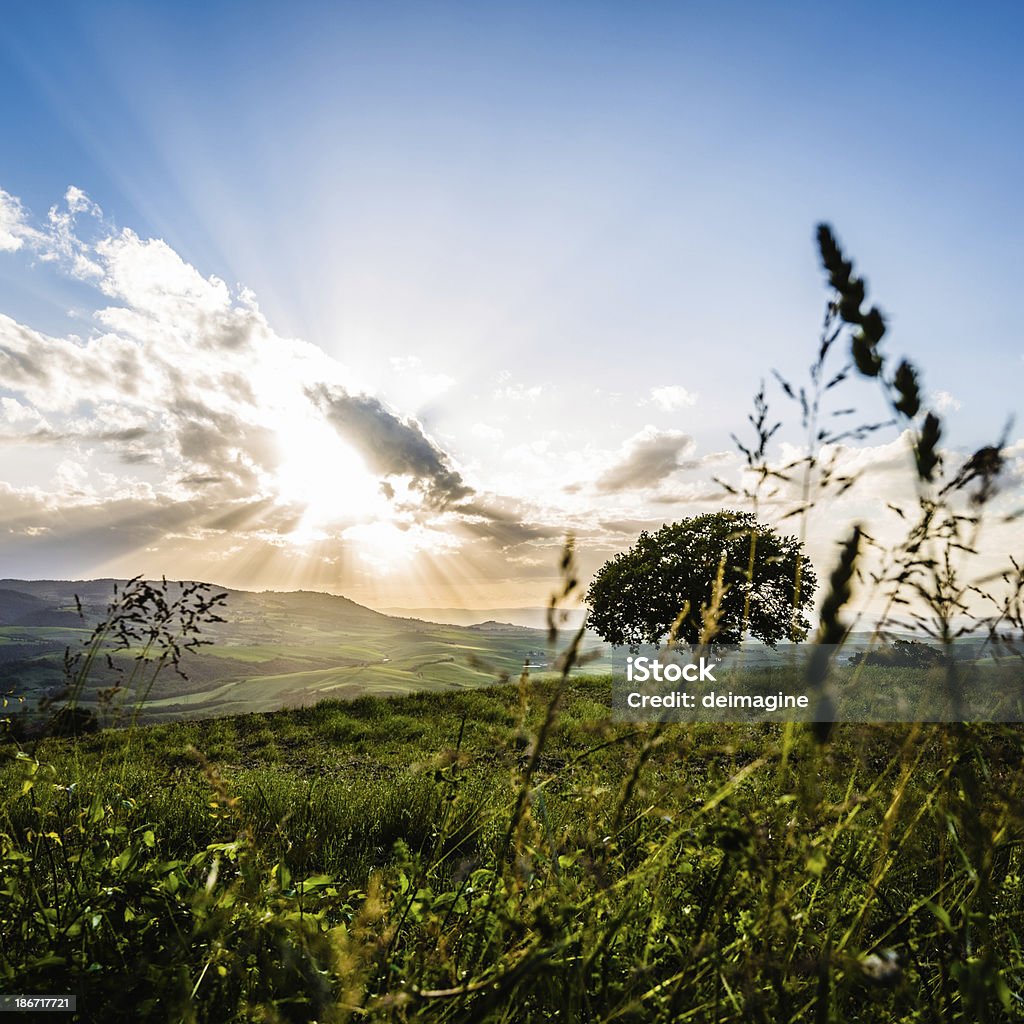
{"x":274,"y":650}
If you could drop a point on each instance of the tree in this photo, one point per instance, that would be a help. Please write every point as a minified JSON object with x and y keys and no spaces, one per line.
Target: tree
{"x":767,"y":583}
{"x":902,"y":654}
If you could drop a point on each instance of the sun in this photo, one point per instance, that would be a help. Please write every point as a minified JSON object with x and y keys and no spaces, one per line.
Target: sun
{"x":324,"y":476}
{"x":390,"y":530}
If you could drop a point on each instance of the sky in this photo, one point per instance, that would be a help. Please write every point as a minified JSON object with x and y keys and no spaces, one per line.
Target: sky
{"x":386,"y":299}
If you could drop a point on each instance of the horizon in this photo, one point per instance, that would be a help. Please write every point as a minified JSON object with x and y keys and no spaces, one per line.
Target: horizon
{"x":421,"y":295}
{"x":532,"y":617}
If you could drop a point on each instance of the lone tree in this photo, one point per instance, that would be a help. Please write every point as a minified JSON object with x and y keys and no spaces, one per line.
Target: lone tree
{"x":767,"y":583}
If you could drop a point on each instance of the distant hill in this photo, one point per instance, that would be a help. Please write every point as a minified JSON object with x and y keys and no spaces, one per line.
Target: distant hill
{"x":36,"y":597}
{"x":16,"y":606}
{"x":274,"y":649}
{"x":530,"y":618}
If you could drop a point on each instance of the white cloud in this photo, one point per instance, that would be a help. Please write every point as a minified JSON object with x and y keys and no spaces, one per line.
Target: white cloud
{"x":944,"y":401}
{"x":18,"y":414}
{"x":671,"y":397}
{"x":402,"y":364}
{"x":182,"y":369}
{"x":487,"y":431}
{"x":427,"y":384}
{"x":519,"y":392}
{"x":78,"y":202}
{"x":13,"y":226}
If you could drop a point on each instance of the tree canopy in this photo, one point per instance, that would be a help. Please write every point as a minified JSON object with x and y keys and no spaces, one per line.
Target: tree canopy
{"x":768,"y":583}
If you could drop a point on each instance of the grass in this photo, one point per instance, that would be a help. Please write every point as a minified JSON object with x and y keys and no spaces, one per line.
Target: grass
{"x":414,"y":859}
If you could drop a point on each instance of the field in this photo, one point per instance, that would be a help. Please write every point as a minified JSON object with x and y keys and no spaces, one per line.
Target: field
{"x":273,"y":650}
{"x":510,"y":854}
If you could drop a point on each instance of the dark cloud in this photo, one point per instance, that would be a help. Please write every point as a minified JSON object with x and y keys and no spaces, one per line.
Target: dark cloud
{"x":504,"y":528}
{"x":649,"y":458}
{"x":126,"y":436}
{"x":703,"y":495}
{"x":77,"y":535}
{"x":221,"y":444}
{"x":20,"y":362}
{"x":391,"y":446}
{"x":198,"y":480}
{"x":33,"y":361}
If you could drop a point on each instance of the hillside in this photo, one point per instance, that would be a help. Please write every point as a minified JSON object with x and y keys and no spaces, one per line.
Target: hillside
{"x":532,"y":618}
{"x":273,"y":650}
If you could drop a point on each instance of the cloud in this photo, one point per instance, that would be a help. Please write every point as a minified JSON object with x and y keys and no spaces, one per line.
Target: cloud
{"x":646,"y":459}
{"x":487,"y":431}
{"x":181,"y":433}
{"x":671,"y":397}
{"x":519,"y":392}
{"x":944,"y":401}
{"x":402,"y":364}
{"x":631,"y":527}
{"x":506,"y":523}
{"x":185,"y":372}
{"x":13,"y":226}
{"x":15,"y":413}
{"x":391,"y":446}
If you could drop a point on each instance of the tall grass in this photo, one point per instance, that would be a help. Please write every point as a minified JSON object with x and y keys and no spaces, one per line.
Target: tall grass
{"x":702,"y":873}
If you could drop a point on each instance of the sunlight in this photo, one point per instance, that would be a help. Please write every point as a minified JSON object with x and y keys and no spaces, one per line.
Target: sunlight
{"x":387,"y":546}
{"x":324,"y":476}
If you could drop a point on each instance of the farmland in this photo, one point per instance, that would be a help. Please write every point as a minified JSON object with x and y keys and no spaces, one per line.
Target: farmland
{"x":274,"y":650}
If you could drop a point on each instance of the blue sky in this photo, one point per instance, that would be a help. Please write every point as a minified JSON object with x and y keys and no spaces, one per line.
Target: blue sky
{"x":511,"y":222}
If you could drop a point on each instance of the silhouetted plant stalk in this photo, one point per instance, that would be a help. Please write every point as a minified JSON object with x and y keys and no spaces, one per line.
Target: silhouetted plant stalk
{"x":933,"y":560}
{"x":831,"y":633}
{"x":153,"y":623}
{"x":925,"y":575}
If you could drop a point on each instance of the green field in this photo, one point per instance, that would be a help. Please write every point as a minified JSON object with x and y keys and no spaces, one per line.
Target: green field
{"x":273,"y":650}
{"x":510,"y":854}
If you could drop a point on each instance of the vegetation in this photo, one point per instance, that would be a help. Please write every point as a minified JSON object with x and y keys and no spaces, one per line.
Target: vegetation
{"x":421,"y":858}
{"x":901,"y":654}
{"x":668,"y":580}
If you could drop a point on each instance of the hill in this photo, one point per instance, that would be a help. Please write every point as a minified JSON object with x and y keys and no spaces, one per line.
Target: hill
{"x":532,"y":618}
{"x":274,"y":650}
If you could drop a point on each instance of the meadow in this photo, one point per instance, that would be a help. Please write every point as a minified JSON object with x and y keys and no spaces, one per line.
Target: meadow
{"x":509,"y":854}
{"x":265,"y":651}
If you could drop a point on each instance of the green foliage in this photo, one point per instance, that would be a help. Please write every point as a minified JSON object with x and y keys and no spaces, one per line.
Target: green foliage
{"x":902,"y":654}
{"x":667,"y":581}
{"x":606,"y":873}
